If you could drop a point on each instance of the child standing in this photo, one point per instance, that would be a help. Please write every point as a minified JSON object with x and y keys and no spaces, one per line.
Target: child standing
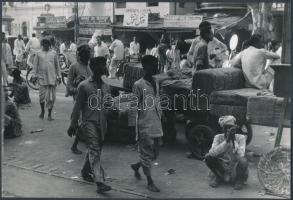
{"x":149,"y":127}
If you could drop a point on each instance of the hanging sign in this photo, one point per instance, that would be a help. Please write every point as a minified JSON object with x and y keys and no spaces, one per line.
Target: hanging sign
{"x":184,"y":21}
{"x":136,"y":17}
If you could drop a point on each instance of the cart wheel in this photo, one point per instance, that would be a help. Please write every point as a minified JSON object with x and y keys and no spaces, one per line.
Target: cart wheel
{"x":246,"y":130}
{"x":199,"y":140}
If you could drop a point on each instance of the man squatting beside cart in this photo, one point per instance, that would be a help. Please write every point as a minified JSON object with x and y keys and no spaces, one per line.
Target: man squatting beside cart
{"x":226,"y":158}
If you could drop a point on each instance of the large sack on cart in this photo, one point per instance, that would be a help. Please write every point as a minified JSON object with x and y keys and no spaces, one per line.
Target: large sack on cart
{"x":266,"y":110}
{"x":121,"y":121}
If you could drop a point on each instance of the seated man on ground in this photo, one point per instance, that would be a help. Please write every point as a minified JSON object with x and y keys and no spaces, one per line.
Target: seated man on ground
{"x":226,"y":158}
{"x":20,"y":89}
{"x":12,"y":122}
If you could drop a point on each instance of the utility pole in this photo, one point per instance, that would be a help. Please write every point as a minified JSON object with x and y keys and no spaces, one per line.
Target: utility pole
{"x":175,"y":8}
{"x":113,"y":9}
{"x":76,"y":22}
{"x":286,"y":35}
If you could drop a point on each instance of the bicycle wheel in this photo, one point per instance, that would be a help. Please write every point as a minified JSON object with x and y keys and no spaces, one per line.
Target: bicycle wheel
{"x":32,"y":85}
{"x":64,"y":78}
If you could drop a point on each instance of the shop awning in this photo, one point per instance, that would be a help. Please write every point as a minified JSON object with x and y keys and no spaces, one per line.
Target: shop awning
{"x":7,"y":18}
{"x":152,"y":27}
{"x":241,"y":22}
{"x":53,"y":29}
{"x":178,"y":30}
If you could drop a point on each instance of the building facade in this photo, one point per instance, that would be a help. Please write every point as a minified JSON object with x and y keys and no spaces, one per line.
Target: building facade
{"x":161,"y":9}
{"x":22,"y":17}
{"x":25,"y":14}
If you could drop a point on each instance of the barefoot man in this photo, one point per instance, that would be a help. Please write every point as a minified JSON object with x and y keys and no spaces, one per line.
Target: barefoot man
{"x":149,"y":127}
{"x":47,"y":72}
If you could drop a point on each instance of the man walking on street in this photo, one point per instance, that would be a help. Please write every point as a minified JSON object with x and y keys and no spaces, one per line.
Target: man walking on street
{"x":68,"y":49}
{"x":162,"y":50}
{"x":47,"y":72}
{"x":19,"y":49}
{"x":149,"y":127}
{"x":101,"y":49}
{"x":78,"y":72}
{"x":32,"y":47}
{"x":118,"y":54}
{"x":134,"y":47}
{"x":90,"y":94}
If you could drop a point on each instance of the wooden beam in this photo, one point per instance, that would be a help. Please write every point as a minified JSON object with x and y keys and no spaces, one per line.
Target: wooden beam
{"x":286,"y":36}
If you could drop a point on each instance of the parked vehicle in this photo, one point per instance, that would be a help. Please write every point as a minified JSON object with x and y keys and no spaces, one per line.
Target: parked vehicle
{"x":202,"y":124}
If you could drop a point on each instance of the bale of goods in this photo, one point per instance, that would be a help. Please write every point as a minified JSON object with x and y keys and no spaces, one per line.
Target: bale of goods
{"x":121,"y":121}
{"x":132,"y":73}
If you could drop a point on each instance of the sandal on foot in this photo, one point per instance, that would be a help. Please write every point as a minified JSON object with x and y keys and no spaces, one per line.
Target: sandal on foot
{"x":153,"y":188}
{"x":76,"y":151}
{"x":102,"y":188}
{"x":136,"y":172}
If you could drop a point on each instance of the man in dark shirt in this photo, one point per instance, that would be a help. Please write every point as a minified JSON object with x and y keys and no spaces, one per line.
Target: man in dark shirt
{"x":90,"y":94}
{"x":201,"y":59}
{"x":78,"y":72}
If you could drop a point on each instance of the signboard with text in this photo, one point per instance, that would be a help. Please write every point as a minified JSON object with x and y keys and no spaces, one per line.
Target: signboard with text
{"x":56,"y":22}
{"x":91,"y":31}
{"x":184,"y":21}
{"x":278,"y":6}
{"x":136,"y":17}
{"x":94,"y":20}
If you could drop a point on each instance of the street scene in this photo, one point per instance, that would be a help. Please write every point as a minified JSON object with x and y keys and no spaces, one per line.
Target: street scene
{"x":146,"y":100}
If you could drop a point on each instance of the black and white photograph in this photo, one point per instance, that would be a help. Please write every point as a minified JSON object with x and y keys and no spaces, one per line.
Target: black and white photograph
{"x":147,"y":99}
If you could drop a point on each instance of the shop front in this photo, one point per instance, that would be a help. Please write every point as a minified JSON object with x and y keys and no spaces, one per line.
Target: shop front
{"x":55,"y":26}
{"x":90,"y":25}
{"x":147,"y":36}
{"x":148,"y":31}
{"x":141,"y":24}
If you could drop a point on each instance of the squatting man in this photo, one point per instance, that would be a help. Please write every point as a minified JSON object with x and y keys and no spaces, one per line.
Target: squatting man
{"x":226,"y":158}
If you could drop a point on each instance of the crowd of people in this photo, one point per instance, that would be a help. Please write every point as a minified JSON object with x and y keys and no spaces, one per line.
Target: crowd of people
{"x":226,"y":158}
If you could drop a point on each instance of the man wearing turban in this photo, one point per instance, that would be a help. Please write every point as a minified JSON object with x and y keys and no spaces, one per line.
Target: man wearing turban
{"x":226,"y":158}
